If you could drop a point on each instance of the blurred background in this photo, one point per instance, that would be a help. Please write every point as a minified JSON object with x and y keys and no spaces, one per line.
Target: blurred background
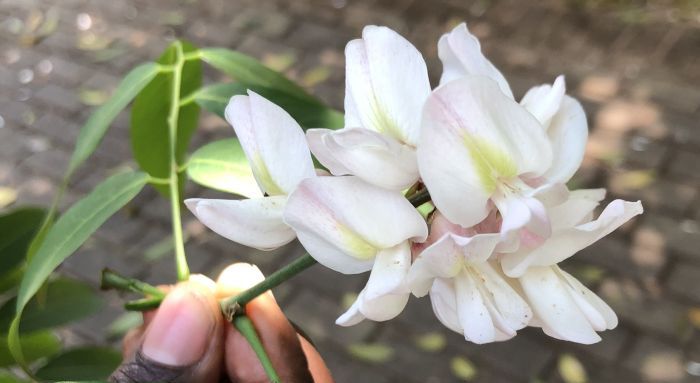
{"x":635,"y":65}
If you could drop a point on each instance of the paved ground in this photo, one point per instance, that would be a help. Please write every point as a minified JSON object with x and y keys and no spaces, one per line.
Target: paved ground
{"x":637,"y":72}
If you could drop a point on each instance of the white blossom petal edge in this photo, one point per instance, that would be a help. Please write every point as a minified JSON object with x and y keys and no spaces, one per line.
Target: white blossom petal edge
{"x":279,"y":157}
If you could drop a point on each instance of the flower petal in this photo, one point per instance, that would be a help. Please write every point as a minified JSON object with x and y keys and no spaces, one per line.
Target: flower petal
{"x":474,"y":317}
{"x":251,"y":222}
{"x":353,"y":315}
{"x":389,"y":270}
{"x":568,"y":133}
{"x":384,"y":307}
{"x":567,"y":242}
{"x":444,"y":301}
{"x":544,"y":101}
{"x":599,"y":314}
{"x":446,"y":258}
{"x":386,"y":84}
{"x":345,"y":218}
{"x":508,"y":309}
{"x":576,"y":208}
{"x":473,"y":136}
{"x":379,"y":309}
{"x":371,"y":156}
{"x":553,"y":304}
{"x":273,"y":142}
{"x":461,"y":55}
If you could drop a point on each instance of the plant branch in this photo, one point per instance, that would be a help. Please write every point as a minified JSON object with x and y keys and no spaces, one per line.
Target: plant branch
{"x":183,"y":272}
{"x":112,"y":280}
{"x":419,"y":198}
{"x":231,"y":306}
{"x":246,"y":328}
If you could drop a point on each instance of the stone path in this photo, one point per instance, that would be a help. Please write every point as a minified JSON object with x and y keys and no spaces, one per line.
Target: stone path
{"x":637,"y":73}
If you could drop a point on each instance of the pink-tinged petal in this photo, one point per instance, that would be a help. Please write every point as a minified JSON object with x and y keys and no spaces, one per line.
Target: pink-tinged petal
{"x":565,"y":243}
{"x":444,"y":301}
{"x":553,"y":304}
{"x":251,"y":222}
{"x":474,"y":317}
{"x":371,"y":156}
{"x":568,"y":133}
{"x":389,"y":270}
{"x":473,"y":137}
{"x":442,"y":259}
{"x":460,"y":53}
{"x":386,"y":84}
{"x":273,"y":142}
{"x":345,"y":218}
{"x":545,"y":100}
{"x":525,"y":221}
{"x":599,"y":314}
{"x":446,"y":258}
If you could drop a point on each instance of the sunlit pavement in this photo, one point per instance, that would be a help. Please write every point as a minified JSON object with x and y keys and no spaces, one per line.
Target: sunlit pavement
{"x":637,"y":73}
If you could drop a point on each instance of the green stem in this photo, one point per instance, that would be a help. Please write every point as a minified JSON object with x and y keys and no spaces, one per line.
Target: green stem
{"x":419,"y":198}
{"x":231,"y":306}
{"x":144,"y":304}
{"x":112,"y":280}
{"x":183,"y":272}
{"x":246,"y":328}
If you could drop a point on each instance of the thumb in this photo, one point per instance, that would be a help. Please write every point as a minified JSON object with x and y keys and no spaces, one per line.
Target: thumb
{"x":182,"y":342}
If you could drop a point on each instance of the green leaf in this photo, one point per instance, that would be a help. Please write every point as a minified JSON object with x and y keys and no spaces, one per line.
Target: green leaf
{"x":251,"y":72}
{"x":222,"y":165}
{"x":150,"y":140}
{"x":96,"y":126}
{"x":6,"y":377}
{"x":66,"y":301}
{"x":308,"y":114}
{"x":463,"y":368}
{"x":214,"y":98}
{"x":18,"y":227}
{"x":68,"y":234}
{"x":81,"y":364}
{"x":35,"y":346}
{"x":371,"y":352}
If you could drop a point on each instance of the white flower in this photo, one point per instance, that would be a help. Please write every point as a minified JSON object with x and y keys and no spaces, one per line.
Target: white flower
{"x":561,"y":116}
{"x":351,"y":227}
{"x":279,"y":157}
{"x":564,"y":308}
{"x":572,"y":230}
{"x":386,"y":87}
{"x":479,"y":146}
{"x":468,"y":292}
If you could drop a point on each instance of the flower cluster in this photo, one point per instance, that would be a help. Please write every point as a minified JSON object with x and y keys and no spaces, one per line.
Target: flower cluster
{"x":500,"y":218}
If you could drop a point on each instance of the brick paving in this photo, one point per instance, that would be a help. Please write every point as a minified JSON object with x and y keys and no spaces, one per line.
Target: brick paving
{"x":637,"y":74}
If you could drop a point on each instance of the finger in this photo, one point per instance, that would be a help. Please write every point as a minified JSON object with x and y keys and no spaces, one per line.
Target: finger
{"x":276,"y":333}
{"x":182,"y":342}
{"x":318,"y":368}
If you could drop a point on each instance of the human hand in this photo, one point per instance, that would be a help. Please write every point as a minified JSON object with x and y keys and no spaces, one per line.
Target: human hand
{"x":188,"y":340}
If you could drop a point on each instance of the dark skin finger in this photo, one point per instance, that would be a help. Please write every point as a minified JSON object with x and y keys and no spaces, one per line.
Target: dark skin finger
{"x":294,"y":358}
